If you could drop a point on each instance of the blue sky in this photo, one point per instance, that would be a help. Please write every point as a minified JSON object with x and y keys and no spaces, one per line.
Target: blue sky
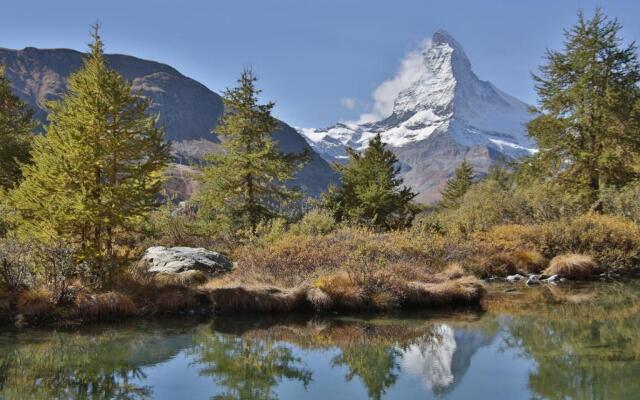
{"x":318,"y":60}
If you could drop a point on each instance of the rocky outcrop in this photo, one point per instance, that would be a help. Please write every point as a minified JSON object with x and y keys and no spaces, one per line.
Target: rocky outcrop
{"x":173,"y":260}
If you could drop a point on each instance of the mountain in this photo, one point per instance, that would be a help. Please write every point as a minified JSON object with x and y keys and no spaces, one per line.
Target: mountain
{"x":187,"y":109}
{"x":446,"y":114}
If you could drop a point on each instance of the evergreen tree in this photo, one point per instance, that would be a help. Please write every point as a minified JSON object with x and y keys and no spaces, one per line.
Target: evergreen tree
{"x":246,"y":183}
{"x":16,"y":126}
{"x":371,"y":191}
{"x":588,"y":127}
{"x":457,"y":186}
{"x":97,"y":171}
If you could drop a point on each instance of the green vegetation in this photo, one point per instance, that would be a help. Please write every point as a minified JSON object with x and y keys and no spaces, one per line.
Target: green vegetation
{"x":371,"y":193}
{"x":16,"y":128}
{"x":245,"y":184}
{"x":96,"y":173}
{"x":590,"y":115}
{"x":457,"y":186}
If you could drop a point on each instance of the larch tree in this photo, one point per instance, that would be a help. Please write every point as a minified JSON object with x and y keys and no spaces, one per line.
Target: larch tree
{"x":372,"y":193}
{"x":588,"y":127}
{"x":457,"y":186}
{"x":16,"y":128}
{"x":97,"y":171}
{"x":245,"y":184}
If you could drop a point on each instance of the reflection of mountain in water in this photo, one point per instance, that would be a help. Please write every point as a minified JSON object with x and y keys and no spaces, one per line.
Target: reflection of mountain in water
{"x":441,"y":359}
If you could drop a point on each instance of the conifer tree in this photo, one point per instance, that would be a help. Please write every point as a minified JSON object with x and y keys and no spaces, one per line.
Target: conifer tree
{"x":16,"y":126}
{"x":588,"y":129}
{"x":245,"y":184}
{"x":97,"y":171}
{"x":371,"y":191}
{"x":457,"y":186}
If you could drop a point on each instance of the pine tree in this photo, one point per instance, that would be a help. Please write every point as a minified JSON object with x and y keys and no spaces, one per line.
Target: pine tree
{"x":97,"y":171}
{"x":371,"y":191}
{"x":16,"y":126}
{"x":245,"y":184}
{"x":457,"y":186}
{"x":588,"y":127}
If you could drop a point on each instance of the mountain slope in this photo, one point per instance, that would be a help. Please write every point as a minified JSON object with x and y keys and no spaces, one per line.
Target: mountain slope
{"x":187,"y":109}
{"x":445,"y":115}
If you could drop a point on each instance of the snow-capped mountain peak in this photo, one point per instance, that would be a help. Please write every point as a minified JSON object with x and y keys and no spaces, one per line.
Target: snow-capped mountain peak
{"x":441,"y":97}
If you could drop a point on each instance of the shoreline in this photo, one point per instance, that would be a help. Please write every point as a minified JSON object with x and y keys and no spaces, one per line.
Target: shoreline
{"x":268,"y":303}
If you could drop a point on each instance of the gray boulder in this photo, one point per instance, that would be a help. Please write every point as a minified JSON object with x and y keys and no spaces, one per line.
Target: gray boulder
{"x":172,"y":260}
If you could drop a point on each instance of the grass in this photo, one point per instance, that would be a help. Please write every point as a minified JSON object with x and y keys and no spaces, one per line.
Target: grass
{"x":572,"y":266}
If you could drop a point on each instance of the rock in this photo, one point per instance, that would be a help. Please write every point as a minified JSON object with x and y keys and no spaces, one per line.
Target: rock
{"x":515,"y":278}
{"x":509,"y":290}
{"x":553,"y":279}
{"x":174,"y":260}
{"x":533,"y":280}
{"x":21,"y":321}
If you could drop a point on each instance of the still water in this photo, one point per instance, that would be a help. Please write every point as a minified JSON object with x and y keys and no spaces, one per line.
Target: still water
{"x":543,"y":343}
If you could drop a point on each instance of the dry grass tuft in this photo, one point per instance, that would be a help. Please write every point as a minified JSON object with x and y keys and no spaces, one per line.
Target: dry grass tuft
{"x":172,"y":299}
{"x":35,"y":303}
{"x":186,"y":278}
{"x":257,"y":299}
{"x":572,"y":266}
{"x":343,"y":290}
{"x":451,"y":271}
{"x":463,"y":291}
{"x":319,"y":300}
{"x":105,"y":305}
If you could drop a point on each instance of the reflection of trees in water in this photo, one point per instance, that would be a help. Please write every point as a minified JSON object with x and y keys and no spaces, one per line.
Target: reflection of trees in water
{"x":375,"y":365}
{"x":589,"y":350}
{"x":246,"y":369}
{"x":70,"y":367}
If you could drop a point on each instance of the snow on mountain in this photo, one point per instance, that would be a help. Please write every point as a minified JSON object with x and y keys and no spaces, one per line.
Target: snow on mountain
{"x":444,"y":97}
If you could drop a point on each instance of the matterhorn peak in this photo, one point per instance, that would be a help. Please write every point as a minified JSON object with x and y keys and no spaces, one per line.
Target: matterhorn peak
{"x":441,"y":101}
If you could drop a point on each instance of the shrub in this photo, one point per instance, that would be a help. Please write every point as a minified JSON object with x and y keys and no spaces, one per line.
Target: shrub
{"x":613,"y":242}
{"x":15,"y":263}
{"x":506,"y":263}
{"x":315,"y":222}
{"x":572,"y":266}
{"x":58,"y":265}
{"x":293,"y":259}
{"x":623,"y":202}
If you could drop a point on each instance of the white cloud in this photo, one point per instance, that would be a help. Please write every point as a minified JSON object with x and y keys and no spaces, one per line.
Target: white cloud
{"x":411,"y":67}
{"x":348,"y":102}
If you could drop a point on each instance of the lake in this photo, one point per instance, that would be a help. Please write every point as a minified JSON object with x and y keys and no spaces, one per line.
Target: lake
{"x":579,"y":342}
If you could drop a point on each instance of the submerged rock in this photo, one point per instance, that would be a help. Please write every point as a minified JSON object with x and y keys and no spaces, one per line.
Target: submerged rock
{"x":172,"y":260}
{"x":515,"y":278}
{"x":553,"y":279}
{"x":533,"y":280}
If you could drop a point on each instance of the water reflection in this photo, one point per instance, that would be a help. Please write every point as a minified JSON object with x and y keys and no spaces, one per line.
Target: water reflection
{"x":577,"y":347}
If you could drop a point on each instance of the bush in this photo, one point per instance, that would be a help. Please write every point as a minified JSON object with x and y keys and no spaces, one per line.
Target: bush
{"x":315,"y":222}
{"x":491,"y":203}
{"x":16,"y":264}
{"x":613,"y":242}
{"x":623,"y":202}
{"x":293,"y":259}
